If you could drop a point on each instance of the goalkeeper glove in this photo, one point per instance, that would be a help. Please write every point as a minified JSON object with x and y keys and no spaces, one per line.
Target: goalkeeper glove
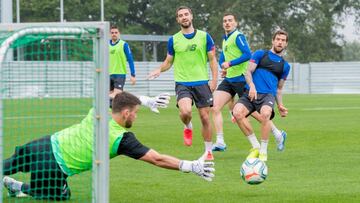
{"x":160,"y":101}
{"x":199,"y":167}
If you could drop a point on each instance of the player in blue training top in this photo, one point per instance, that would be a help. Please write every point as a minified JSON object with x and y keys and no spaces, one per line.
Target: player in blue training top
{"x":119,"y":53}
{"x":265,"y":76}
{"x":234,"y":62}
{"x":189,"y":50}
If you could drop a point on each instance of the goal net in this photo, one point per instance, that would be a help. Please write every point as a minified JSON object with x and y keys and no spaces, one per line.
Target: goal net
{"x":51,"y":75}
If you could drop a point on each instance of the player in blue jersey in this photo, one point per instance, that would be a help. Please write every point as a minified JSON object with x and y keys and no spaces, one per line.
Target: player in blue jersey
{"x":233,"y":61}
{"x":119,"y":53}
{"x":265,"y":77}
{"x":189,"y":50}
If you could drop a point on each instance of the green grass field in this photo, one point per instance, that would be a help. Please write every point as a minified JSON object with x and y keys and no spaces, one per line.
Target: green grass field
{"x":321,"y":162}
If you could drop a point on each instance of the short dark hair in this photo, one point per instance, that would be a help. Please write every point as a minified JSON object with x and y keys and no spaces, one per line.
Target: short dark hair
{"x":124,"y":100}
{"x":230,"y":14}
{"x":114,"y":27}
{"x":280,"y":32}
{"x":181,"y":8}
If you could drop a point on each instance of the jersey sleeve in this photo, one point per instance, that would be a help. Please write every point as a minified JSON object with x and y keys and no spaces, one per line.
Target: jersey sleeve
{"x":256,"y":57}
{"x":129,"y":58}
{"x":210,"y":45}
{"x":286,"y":71}
{"x":242,"y":44}
{"x":131,"y":147}
{"x":170,"y":46}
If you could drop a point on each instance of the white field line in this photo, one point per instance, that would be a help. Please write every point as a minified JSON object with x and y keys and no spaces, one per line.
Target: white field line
{"x":331,"y":108}
{"x":42,"y":117}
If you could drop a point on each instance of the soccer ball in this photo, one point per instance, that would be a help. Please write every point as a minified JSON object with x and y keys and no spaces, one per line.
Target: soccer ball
{"x":253,"y":171}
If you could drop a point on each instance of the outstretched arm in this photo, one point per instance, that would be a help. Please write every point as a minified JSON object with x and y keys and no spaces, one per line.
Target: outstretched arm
{"x":167,"y":62}
{"x":153,"y":103}
{"x":199,"y":167}
{"x":163,"y":67}
{"x":131,"y":147}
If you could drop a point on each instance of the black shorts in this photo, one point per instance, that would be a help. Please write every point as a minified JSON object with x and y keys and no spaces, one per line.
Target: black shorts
{"x":201,"y":95}
{"x":232,"y":88}
{"x":117,"y":81}
{"x":47,"y":179}
{"x":262,"y":100}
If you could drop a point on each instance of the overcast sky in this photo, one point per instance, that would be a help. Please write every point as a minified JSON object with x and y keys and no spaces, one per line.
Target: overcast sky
{"x":349,"y":30}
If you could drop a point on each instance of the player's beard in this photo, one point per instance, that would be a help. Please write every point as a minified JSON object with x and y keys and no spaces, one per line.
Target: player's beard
{"x":128,"y":123}
{"x":186,"y":26}
{"x":278,"y":50}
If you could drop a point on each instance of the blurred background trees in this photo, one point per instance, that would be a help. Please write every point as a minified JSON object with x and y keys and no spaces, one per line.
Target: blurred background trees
{"x":313,"y":25}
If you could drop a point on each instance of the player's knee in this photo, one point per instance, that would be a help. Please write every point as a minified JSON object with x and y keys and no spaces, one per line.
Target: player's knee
{"x":265,"y":116}
{"x":185,"y":114}
{"x":205,"y":119}
{"x":239,"y":115}
{"x":216,"y":109}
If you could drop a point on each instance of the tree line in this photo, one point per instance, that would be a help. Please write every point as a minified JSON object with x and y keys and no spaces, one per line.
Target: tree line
{"x":313,"y":25}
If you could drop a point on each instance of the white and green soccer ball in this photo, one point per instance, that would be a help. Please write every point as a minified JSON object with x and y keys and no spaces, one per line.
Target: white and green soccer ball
{"x":253,"y":171}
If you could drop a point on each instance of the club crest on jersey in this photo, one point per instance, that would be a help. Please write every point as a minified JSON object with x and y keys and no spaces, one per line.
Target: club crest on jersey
{"x":191,"y":47}
{"x":112,"y":52}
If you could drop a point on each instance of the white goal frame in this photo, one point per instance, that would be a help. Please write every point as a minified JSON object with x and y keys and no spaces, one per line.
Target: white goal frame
{"x":100,"y":183}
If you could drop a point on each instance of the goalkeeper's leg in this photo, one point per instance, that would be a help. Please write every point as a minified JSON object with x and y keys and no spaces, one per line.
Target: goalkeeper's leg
{"x":50,"y":185}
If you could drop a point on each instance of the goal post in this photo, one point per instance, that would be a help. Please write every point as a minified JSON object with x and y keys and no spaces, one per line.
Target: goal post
{"x":51,"y":74}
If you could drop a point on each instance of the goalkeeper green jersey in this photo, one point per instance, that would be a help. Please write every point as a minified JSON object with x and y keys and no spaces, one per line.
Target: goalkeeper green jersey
{"x":231,"y":51}
{"x":73,"y":147}
{"x":117,"y":58}
{"x":190,"y":57}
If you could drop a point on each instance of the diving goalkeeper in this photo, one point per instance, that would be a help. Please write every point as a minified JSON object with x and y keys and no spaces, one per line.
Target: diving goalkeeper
{"x":52,"y":159}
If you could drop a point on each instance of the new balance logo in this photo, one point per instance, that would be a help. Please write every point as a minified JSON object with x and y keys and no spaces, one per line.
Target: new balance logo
{"x":191,"y":47}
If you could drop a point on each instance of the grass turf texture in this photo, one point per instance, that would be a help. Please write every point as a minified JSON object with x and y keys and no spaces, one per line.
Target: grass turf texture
{"x":321,"y":161}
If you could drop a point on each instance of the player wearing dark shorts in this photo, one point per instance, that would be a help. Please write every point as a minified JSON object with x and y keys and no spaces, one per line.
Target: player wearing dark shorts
{"x":117,"y":81}
{"x":233,"y":62}
{"x":201,"y":95}
{"x":262,"y":99}
{"x":52,"y":159}
{"x":189,"y":50}
{"x":119,"y":54}
{"x":265,"y":77}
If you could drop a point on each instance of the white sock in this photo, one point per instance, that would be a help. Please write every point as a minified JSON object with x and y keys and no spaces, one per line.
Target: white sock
{"x":263,"y":147}
{"x":277,"y":133}
{"x":17,"y":185}
{"x":220,"y":138}
{"x":189,"y":125}
{"x":208,"y":146}
{"x":253,"y":140}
